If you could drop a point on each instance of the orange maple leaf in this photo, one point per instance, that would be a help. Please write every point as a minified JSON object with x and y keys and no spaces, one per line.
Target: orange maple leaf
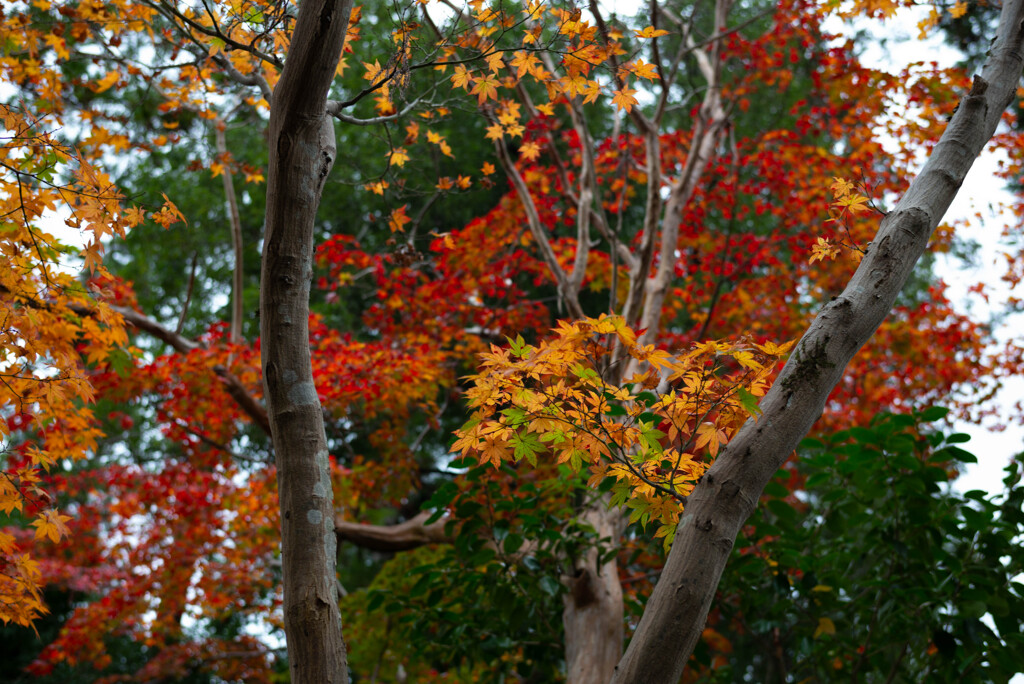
{"x":624,"y":98}
{"x":398,"y":219}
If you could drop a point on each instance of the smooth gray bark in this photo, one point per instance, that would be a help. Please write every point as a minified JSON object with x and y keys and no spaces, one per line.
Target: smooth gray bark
{"x":727,"y":495}
{"x":593,"y":614}
{"x":302,"y":151}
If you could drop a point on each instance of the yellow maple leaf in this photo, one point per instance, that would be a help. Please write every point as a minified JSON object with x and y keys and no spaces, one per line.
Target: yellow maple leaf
{"x":644,"y":70}
{"x":573,"y":85}
{"x":107,"y":82}
{"x":710,"y":435}
{"x":825,"y":626}
{"x":487,"y":169}
{"x":462,"y":77}
{"x":51,"y":525}
{"x":529,"y":151}
{"x":494,"y":62}
{"x":495,"y":132}
{"x":822,"y":250}
{"x":853,"y":203}
{"x":485,"y":88}
{"x":58,"y":44}
{"x":398,"y":156}
{"x":841,"y":187}
{"x":524,"y":63}
{"x":412,"y":131}
{"x":373,"y":71}
{"x":773,"y":349}
{"x":650,"y":32}
{"x":133,"y":216}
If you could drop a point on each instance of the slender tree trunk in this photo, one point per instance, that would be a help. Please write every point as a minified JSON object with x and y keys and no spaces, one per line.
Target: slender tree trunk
{"x":302,"y":151}
{"x":728,"y":493}
{"x":236,"y":234}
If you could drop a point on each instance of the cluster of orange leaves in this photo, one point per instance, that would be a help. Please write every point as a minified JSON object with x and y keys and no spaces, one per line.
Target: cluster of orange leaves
{"x":653,"y":434}
{"x":51,"y":330}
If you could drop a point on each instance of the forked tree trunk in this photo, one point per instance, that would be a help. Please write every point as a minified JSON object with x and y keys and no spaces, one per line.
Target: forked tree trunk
{"x":302,"y":151}
{"x":728,"y":493}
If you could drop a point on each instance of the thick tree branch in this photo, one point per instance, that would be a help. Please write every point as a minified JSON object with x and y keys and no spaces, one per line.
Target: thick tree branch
{"x":403,"y":536}
{"x":728,"y":493}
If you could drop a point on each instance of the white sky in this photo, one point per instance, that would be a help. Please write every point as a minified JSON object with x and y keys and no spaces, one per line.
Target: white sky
{"x":980,"y":190}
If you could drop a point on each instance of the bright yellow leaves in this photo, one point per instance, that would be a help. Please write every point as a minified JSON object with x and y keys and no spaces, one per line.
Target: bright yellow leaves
{"x":51,"y":525}
{"x":398,"y":156}
{"x":848,"y":203}
{"x":462,"y":78}
{"x":527,"y":63}
{"x":958,"y":10}
{"x":643,"y":70}
{"x":650,"y":32}
{"x":529,"y":151}
{"x":648,"y":446}
{"x":824,"y":249}
{"x":847,"y":199}
{"x":437,"y":139}
{"x":485,"y":87}
{"x":107,"y":82}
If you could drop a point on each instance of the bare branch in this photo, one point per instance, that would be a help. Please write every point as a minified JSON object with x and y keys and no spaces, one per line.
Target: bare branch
{"x":253,"y":79}
{"x":336,"y":109}
{"x":710,"y":124}
{"x":403,"y":536}
{"x":568,"y":295}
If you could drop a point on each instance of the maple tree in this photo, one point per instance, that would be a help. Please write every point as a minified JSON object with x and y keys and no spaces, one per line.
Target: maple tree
{"x":683,"y":194}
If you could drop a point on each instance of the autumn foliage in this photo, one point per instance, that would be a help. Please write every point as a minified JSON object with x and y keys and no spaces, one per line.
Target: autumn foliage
{"x":528,"y":337}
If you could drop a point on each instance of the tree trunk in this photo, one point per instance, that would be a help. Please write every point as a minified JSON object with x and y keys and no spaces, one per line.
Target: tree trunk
{"x":302,"y":151}
{"x":728,"y":493}
{"x":593,"y":610}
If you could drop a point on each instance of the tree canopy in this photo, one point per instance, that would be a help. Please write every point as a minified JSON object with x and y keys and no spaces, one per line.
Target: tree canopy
{"x":427,"y":341}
